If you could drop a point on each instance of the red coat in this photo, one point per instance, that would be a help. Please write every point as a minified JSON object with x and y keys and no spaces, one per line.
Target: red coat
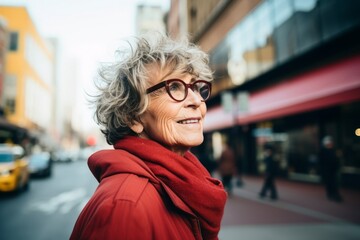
{"x":132,"y":203}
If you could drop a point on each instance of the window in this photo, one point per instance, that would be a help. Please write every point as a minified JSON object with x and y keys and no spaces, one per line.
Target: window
{"x":10,"y":105}
{"x":9,"y":94}
{"x":264,"y":36}
{"x":14,"y":41}
{"x":307,"y":24}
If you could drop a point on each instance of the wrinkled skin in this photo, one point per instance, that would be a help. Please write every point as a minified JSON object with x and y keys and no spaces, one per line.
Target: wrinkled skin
{"x":165,"y":119}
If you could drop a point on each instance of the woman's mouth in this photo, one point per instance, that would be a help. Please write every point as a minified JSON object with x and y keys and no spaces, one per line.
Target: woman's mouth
{"x":189,"y":121}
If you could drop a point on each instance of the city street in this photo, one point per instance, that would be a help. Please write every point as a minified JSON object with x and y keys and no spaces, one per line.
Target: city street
{"x":255,"y":88}
{"x":48,"y":210}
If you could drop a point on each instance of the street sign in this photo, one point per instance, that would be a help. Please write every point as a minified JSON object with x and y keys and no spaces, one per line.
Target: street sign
{"x":242,"y":101}
{"x":227,"y":102}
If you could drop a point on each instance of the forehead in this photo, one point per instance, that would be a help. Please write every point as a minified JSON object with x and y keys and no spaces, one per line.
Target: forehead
{"x":157,"y":74}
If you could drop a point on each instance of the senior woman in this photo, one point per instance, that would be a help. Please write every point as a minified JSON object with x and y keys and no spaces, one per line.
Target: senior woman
{"x":151,"y":107}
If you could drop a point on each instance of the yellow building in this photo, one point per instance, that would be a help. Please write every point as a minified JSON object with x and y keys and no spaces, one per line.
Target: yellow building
{"x":3,"y":50}
{"x":29,"y":79}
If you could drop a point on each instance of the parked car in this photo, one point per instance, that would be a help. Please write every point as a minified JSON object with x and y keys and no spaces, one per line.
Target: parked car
{"x":14,"y":169}
{"x":40,"y":164}
{"x":86,"y":152}
{"x":65,"y":156}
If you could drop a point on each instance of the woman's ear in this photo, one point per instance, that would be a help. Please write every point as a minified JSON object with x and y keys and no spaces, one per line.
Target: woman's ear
{"x":137,"y":127}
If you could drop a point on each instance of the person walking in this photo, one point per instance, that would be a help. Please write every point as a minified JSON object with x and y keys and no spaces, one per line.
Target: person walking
{"x":329,"y":169}
{"x":270,"y":173}
{"x":227,"y":167}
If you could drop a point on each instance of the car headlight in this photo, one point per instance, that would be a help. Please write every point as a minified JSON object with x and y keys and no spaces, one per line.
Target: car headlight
{"x":5,"y":172}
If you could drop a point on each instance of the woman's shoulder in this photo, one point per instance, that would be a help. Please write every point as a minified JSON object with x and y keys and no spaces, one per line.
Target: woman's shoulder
{"x":123,"y":191}
{"x":124,"y":186}
{"x":115,"y":209}
{"x":132,"y":188}
{"x":131,"y":191}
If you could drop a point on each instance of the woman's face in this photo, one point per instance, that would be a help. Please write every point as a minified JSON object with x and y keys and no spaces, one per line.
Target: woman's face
{"x":176,"y":125}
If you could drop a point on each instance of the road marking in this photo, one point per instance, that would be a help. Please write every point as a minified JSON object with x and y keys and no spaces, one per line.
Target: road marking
{"x":62,"y":203}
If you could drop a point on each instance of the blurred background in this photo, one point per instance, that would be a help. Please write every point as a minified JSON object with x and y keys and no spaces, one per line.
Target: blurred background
{"x":286,"y":73}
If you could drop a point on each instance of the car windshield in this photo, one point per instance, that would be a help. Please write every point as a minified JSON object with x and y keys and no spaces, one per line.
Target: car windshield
{"x":40,"y":157}
{"x":6,"y":157}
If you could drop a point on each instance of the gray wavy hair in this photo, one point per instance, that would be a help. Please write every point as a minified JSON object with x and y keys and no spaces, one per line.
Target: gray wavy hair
{"x":122,"y":85}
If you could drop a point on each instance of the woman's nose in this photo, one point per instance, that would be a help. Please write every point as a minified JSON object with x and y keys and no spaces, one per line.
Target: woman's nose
{"x":194,"y":98}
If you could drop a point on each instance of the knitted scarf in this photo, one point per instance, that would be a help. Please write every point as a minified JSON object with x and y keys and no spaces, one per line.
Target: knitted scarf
{"x":186,"y":177}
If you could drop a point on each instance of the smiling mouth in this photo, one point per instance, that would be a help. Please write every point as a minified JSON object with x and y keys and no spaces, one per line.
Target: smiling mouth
{"x":189,"y":121}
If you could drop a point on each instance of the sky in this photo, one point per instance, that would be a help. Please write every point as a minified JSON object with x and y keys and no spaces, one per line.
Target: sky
{"x":88,"y":33}
{"x":81,"y":24}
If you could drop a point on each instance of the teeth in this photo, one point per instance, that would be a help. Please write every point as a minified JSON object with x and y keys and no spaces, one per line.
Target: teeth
{"x":189,"y":121}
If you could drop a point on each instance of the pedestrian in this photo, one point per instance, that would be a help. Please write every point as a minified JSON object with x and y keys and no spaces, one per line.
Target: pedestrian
{"x":270,"y":173}
{"x":329,"y":169}
{"x":151,"y":108}
{"x":227,"y":167}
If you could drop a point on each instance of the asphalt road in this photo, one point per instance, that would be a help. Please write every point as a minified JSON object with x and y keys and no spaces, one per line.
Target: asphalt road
{"x":49,"y":209}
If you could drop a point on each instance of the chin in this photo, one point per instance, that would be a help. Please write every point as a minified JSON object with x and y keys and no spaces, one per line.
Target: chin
{"x":196,"y":141}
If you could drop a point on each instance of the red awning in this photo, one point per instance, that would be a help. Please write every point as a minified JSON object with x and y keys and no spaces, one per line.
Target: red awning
{"x":331,"y":85}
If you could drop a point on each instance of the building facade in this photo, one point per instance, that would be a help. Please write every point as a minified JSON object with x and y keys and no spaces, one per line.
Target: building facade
{"x":148,"y":18}
{"x":28,"y":82}
{"x":3,"y":50}
{"x":286,"y":72}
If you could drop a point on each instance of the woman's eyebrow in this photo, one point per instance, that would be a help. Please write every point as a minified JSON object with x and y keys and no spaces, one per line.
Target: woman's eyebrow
{"x":193,"y":80}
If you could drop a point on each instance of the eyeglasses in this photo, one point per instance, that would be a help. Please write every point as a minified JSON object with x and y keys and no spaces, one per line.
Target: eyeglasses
{"x":178,"y":89}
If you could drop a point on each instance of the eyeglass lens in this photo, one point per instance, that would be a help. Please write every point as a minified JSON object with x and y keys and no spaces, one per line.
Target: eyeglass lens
{"x":178,"y":91}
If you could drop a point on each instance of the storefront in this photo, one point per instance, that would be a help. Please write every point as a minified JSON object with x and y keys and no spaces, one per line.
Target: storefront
{"x":297,"y":64}
{"x":297,"y":141}
{"x":295,"y":115}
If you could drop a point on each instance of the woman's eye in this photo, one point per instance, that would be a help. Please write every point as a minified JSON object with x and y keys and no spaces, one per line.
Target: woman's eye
{"x":175,"y":87}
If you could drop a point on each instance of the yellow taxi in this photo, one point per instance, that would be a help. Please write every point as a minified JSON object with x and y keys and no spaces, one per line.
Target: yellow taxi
{"x":14,"y":170}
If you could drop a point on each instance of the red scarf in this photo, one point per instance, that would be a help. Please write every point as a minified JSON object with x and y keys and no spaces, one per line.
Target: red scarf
{"x":186,"y":177}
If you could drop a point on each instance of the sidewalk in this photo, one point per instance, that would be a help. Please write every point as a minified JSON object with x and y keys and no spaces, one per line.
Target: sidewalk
{"x":302,"y":212}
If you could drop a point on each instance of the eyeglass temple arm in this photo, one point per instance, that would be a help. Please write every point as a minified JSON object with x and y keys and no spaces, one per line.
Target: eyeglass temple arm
{"x":155,"y":87}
